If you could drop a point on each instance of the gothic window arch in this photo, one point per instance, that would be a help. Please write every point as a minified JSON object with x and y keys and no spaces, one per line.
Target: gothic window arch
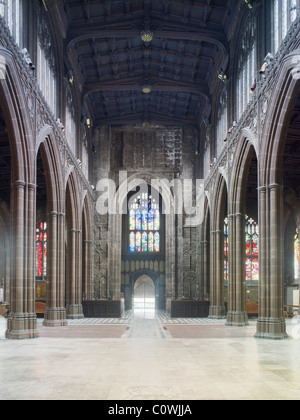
{"x":251,"y":250}
{"x":144,"y":225}
{"x":41,"y":250}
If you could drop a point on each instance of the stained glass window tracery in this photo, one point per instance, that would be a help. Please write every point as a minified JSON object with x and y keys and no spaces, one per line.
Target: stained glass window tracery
{"x":144,"y":225}
{"x":251,"y":251}
{"x":41,"y":250}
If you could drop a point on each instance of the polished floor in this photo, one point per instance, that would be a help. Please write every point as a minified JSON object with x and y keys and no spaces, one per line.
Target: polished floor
{"x":148,"y":356}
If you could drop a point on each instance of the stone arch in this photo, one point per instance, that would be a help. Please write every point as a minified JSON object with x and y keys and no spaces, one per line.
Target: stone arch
{"x":115,"y":221}
{"x":19,"y":124}
{"x":204,"y":252}
{"x":237,"y":293}
{"x":271,"y":321}
{"x":247,"y":145}
{"x":46,"y":144}
{"x":144,"y":289}
{"x":87,"y":248}
{"x":22,"y":320}
{"x":277,"y":119}
{"x":219,"y":209}
{"x":73,"y":248}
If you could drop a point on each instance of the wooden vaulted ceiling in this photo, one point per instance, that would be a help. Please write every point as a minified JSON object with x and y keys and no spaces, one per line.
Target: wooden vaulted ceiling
{"x":112,"y":64}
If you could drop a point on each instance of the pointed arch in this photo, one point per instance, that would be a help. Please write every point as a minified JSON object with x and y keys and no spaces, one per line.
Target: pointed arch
{"x":74,"y":248}
{"x":87,"y":248}
{"x":22,"y":321}
{"x":277,"y":119}
{"x":219,"y":211}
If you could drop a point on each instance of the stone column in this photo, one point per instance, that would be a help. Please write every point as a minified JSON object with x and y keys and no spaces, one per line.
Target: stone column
{"x":55,"y":312}
{"x":21,"y":322}
{"x":237,"y":315}
{"x":271,"y":322}
{"x":170,"y":259}
{"x":203,"y":269}
{"x":74,"y":289}
{"x":115,"y":257}
{"x":88,"y":269}
{"x":217,"y":307}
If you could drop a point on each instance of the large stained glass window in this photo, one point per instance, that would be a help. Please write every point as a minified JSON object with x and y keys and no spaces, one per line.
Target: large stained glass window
{"x":144,"y":225}
{"x":41,"y":250}
{"x":252,"y":250}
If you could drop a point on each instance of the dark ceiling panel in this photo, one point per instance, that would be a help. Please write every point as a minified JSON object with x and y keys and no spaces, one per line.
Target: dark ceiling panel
{"x":181,"y":63}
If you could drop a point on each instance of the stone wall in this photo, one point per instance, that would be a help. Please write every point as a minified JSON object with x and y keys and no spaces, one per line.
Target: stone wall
{"x":146,"y":153}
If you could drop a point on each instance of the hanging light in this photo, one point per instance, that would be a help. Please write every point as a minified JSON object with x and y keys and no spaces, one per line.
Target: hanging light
{"x":147,"y":89}
{"x":222,"y":76}
{"x":249,"y":4}
{"x":146,"y":36}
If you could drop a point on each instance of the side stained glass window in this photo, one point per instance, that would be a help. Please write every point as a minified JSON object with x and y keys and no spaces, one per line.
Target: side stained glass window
{"x":144,"y":225}
{"x":41,"y":250}
{"x":251,"y":251}
{"x":226,"y":253}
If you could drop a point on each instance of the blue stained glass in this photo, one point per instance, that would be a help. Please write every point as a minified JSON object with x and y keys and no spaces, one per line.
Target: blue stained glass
{"x":132,"y":220}
{"x":151,"y":242}
{"x":144,"y":220}
{"x":156,"y":245}
{"x":138,"y":225}
{"x":138,"y":244}
{"x":144,"y":225}
{"x":132,"y":242}
{"x":151,"y":217}
{"x":145,"y":242}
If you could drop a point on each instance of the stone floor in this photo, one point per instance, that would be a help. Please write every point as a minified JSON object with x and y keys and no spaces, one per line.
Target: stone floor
{"x":147,"y":356}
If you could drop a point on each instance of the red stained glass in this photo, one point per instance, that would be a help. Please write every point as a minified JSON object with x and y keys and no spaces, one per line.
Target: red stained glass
{"x":39,"y":259}
{"x":41,"y":250}
{"x":251,"y":251}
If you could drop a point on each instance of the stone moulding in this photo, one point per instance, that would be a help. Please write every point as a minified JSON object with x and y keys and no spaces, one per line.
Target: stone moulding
{"x":36,"y":100}
{"x":253,"y":117}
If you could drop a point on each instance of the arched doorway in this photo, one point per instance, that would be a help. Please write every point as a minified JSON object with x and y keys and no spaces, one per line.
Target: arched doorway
{"x":144,"y":293}
{"x":143,"y":245}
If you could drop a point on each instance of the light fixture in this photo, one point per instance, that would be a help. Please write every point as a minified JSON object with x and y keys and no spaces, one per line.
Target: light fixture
{"x":222,"y":76}
{"x":249,"y":4}
{"x":147,"y":89}
{"x":71,"y":76}
{"x":88,"y":122}
{"x":146,"y":36}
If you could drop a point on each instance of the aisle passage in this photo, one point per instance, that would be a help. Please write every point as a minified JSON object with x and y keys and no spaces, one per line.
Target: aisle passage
{"x":145,"y":324}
